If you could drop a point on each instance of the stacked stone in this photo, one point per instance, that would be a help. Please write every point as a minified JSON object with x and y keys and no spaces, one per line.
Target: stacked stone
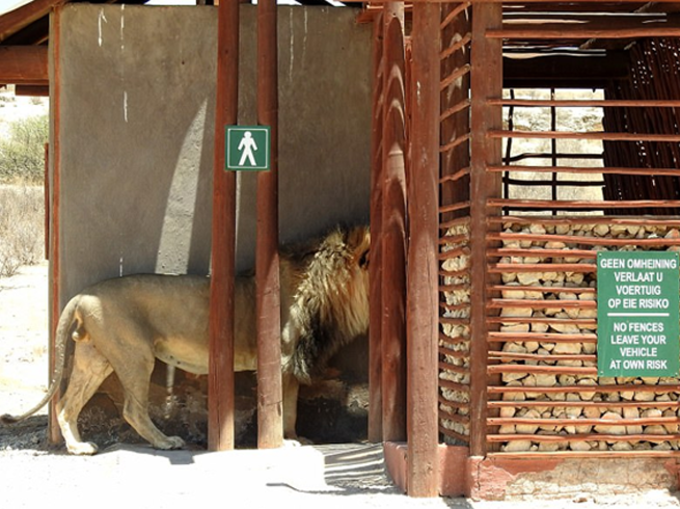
{"x":541,"y":283}
{"x":459,"y":333}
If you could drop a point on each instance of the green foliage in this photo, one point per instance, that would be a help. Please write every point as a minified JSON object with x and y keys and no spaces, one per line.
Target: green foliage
{"x":22,"y":153}
{"x":21,"y":227}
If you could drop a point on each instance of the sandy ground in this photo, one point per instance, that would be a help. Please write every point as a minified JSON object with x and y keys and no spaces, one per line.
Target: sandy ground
{"x":34,"y":474}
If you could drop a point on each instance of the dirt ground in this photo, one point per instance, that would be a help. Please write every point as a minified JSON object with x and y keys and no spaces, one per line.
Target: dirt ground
{"x":34,"y":474}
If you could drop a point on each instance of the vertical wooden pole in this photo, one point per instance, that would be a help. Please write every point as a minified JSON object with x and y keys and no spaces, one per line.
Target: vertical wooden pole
{"x":423,"y":296}
{"x":54,"y":434}
{"x":486,"y":81}
{"x":375,"y":265}
{"x":393,"y":288}
{"x":269,"y":407}
{"x":221,"y":366}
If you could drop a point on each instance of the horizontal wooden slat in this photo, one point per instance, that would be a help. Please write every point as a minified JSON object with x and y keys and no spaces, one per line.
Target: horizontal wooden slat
{"x":541,"y":267}
{"x":586,"y":454}
{"x":545,"y":289}
{"x":581,"y":437}
{"x":672,"y":172}
{"x":661,"y":388}
{"x":540,"y":369}
{"x":582,"y":421}
{"x":536,"y":357}
{"x":582,"y":404}
{"x":582,"y":204}
{"x":549,"y":337}
{"x":576,"y":239}
{"x":580,"y":220}
{"x":453,"y":434}
{"x":599,"y":103}
{"x":541,"y":303}
{"x":570,"y":135}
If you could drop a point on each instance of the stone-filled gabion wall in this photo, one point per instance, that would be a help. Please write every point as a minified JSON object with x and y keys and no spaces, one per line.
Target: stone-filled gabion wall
{"x":454,"y":340}
{"x":634,"y":413}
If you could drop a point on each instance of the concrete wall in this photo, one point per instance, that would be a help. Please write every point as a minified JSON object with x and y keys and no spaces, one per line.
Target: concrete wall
{"x":137,"y":128}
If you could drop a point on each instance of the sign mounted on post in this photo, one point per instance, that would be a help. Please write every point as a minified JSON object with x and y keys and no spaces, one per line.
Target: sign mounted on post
{"x":638,"y":331}
{"x":248,"y":148}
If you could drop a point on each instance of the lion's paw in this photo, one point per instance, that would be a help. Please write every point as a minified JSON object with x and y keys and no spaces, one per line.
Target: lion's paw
{"x":82,"y":448}
{"x":171,"y":443}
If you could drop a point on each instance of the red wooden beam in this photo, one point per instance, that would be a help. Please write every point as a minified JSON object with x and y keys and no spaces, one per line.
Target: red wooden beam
{"x":423,"y":297}
{"x":486,"y":82}
{"x":269,"y":401}
{"x":24,"y":65}
{"x":375,"y":266}
{"x":55,"y":211}
{"x":221,"y":367}
{"x":23,"y":16}
{"x":393,"y":289}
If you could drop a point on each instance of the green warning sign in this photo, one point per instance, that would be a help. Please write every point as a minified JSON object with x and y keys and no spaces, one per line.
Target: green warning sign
{"x":248,"y":148}
{"x":638,"y":313}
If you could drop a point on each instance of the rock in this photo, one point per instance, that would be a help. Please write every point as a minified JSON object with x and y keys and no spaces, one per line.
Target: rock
{"x":611,"y":429}
{"x":579,"y":445}
{"x":567,"y":348}
{"x":518,"y":446}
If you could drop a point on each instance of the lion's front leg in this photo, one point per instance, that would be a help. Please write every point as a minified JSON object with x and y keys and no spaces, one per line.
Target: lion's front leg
{"x":291,"y":388}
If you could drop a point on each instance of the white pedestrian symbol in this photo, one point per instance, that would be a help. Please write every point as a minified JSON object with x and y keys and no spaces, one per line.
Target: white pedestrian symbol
{"x":247,"y":145}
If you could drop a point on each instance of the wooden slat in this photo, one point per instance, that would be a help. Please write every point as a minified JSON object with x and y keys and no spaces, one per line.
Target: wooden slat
{"x":451,"y":16}
{"x":542,"y":267}
{"x":540,"y":369}
{"x":593,"y":30}
{"x":537,"y":357}
{"x":570,"y":135}
{"x":544,"y":303}
{"x":589,"y":437}
{"x":661,"y":388}
{"x":593,"y":103}
{"x":24,"y":65}
{"x":583,"y":421}
{"x":453,"y":434}
{"x":670,"y":222}
{"x":582,"y":404}
{"x":522,"y":337}
{"x":596,"y":241}
{"x":674,"y":172}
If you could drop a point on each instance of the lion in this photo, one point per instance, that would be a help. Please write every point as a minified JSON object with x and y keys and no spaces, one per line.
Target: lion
{"x":122,"y":325}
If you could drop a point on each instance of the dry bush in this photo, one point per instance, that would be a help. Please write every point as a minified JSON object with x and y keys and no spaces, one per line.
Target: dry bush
{"x":21,"y":227}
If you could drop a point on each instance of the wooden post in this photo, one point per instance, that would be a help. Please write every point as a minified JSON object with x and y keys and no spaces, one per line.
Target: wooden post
{"x":375,"y":265}
{"x":393,"y":288}
{"x":221,"y":367}
{"x":54,"y":434}
{"x":486,"y":82}
{"x":269,"y":400}
{"x":423,"y":298}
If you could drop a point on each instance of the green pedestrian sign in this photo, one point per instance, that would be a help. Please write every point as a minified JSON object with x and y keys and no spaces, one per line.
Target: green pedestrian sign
{"x":248,"y":148}
{"x":638,"y":313}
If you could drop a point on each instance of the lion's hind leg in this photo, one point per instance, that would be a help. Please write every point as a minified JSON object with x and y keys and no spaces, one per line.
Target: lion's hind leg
{"x":135,"y":378}
{"x":90,"y":369}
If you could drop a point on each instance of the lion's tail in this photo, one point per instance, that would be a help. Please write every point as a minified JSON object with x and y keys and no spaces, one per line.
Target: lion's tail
{"x":65,"y":322}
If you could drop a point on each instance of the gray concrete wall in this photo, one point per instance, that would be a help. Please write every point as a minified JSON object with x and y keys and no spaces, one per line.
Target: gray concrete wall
{"x":137,"y":129}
